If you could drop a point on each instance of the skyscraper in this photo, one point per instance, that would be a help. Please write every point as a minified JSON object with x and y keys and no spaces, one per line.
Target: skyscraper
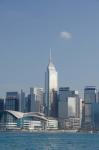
{"x":68,"y":101}
{"x":64,"y":93}
{"x":22,"y":102}
{"x":12,"y":101}
{"x":36,"y":95}
{"x":51,"y":85}
{"x":1,"y":104}
{"x":89,"y":99}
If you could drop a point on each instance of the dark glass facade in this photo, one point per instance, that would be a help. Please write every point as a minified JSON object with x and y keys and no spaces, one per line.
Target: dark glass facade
{"x":12,"y":101}
{"x":1,"y":104}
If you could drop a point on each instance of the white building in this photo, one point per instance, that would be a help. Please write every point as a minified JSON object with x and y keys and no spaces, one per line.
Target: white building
{"x":51,"y":86}
{"x":32,"y":125}
{"x":52,"y":124}
{"x":72,"y":123}
{"x":36,"y":95}
{"x":72,"y":107}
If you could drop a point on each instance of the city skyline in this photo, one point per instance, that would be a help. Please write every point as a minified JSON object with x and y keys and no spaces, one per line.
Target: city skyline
{"x":29,"y":29}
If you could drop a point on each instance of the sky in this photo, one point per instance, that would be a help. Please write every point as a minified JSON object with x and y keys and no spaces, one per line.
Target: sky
{"x":29,"y":28}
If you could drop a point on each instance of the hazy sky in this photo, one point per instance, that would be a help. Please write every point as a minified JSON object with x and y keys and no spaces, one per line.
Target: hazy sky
{"x":29,"y":28}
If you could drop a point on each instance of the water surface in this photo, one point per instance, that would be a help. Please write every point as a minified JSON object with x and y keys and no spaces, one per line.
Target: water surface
{"x":48,"y":141}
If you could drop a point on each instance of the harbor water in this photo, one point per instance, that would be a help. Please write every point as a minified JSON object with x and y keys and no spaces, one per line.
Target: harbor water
{"x":48,"y":141}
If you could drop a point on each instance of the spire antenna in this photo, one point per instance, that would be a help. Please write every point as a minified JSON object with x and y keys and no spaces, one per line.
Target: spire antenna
{"x":50,"y":55}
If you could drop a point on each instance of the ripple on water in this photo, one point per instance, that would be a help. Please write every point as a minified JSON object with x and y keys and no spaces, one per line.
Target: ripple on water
{"x":48,"y":141}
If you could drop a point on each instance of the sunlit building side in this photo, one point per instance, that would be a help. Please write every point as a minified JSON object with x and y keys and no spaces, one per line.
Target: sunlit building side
{"x":51,"y":87}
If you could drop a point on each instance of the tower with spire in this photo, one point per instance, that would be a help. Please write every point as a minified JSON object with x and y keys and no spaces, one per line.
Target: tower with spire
{"x":51,"y":86}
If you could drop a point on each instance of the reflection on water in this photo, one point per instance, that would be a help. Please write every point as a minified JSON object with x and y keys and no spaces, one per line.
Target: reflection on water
{"x":48,"y":141}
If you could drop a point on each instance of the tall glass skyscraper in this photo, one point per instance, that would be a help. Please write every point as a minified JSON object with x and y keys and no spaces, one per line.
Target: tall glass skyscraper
{"x":87,"y":113}
{"x":51,"y":86}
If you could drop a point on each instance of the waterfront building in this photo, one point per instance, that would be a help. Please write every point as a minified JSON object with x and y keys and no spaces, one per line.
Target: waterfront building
{"x":94,"y":109}
{"x":36,"y":96}
{"x":8,"y":119}
{"x":33,"y":121}
{"x":1,"y":104}
{"x":72,"y":123}
{"x":89,"y":99}
{"x":12,"y":101}
{"x":14,"y":120}
{"x":52,"y":123}
{"x":51,"y":87}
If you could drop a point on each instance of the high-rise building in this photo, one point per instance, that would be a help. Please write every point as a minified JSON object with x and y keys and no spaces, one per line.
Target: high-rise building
{"x":68,"y":107}
{"x":68,"y":100}
{"x":12,"y":101}
{"x":28,"y":103}
{"x":95,"y":111}
{"x":22,"y":102}
{"x":51,"y":86}
{"x":75,"y":94}
{"x":97,"y":99}
{"x":1,"y":104}
{"x":89,"y":99}
{"x":36,"y":95}
{"x":90,"y":94}
{"x":72,"y":106}
{"x":64,"y":93}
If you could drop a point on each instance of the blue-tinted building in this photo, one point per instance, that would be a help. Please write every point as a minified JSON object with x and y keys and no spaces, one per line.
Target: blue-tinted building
{"x":95,"y":112}
{"x":22,"y":102}
{"x":89,"y":100}
{"x":1,"y":104}
{"x":12,"y":101}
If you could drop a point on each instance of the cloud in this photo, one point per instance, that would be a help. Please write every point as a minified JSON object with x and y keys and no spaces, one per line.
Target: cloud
{"x":65,"y":35}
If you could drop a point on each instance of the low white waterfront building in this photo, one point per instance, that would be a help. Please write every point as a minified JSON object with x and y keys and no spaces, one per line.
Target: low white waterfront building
{"x":52,"y":124}
{"x":13,"y":120}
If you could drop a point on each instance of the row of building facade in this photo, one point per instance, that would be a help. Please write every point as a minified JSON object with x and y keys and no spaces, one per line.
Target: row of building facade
{"x":63,"y":106}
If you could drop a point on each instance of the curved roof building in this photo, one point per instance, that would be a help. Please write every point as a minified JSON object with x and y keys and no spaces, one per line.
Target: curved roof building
{"x":13,"y":120}
{"x":15,"y":114}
